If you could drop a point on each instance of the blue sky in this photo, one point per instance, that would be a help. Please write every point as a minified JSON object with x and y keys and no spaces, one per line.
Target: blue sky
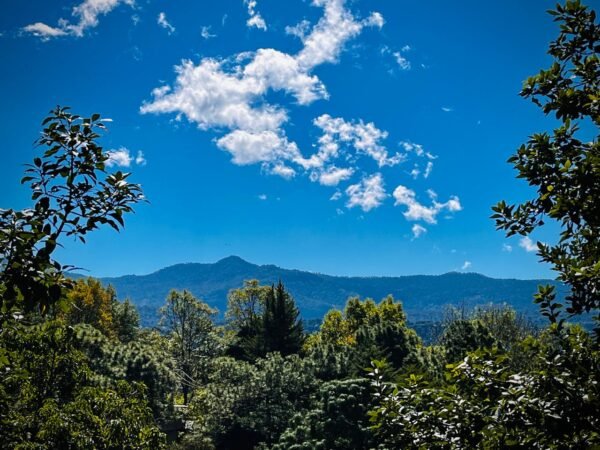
{"x":353,"y":138}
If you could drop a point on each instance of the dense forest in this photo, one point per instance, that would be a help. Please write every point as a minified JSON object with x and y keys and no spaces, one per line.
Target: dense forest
{"x":77,"y":371}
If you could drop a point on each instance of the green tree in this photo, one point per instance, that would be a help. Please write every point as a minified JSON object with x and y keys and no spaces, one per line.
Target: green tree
{"x":244,"y":404}
{"x":50,"y":398}
{"x":244,"y":315}
{"x":89,"y":302}
{"x":564,"y":166}
{"x":73,"y":195}
{"x":337,"y":419}
{"x":282,"y":327}
{"x":126,"y":320}
{"x":189,"y":322}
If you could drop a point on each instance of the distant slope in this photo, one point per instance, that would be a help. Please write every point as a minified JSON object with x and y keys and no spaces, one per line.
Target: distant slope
{"x":424,"y":296}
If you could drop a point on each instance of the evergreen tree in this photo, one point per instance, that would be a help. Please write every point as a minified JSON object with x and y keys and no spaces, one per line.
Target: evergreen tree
{"x":282,"y":329}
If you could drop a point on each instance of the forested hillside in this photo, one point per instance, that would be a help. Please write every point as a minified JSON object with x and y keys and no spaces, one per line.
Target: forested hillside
{"x":423,"y":296}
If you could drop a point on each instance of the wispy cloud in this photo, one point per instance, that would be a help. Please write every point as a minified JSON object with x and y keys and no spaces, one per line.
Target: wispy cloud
{"x":262,"y":197}
{"x":86,"y":14}
{"x":447,"y":109}
{"x":418,"y":230}
{"x":206,"y":34}
{"x":164,"y":23}
{"x":507,"y":248}
{"x":399,"y":56}
{"x":255,"y":20}
{"x":466,"y":265}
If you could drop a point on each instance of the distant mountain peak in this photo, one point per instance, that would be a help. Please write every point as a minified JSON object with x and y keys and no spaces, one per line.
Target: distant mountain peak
{"x":233,"y":259}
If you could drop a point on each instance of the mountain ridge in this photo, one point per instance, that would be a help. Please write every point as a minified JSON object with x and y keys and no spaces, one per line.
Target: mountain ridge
{"x":424,"y":296}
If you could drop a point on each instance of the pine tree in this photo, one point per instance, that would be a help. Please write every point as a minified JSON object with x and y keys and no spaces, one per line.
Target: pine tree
{"x":282,"y":329}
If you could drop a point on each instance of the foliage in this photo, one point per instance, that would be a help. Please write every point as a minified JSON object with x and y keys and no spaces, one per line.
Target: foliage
{"x":126,"y":320}
{"x":145,"y":360}
{"x":189,"y":324}
{"x":48,"y":398}
{"x":245,"y":404}
{"x":565,"y":167}
{"x":246,"y":305}
{"x":463,"y":335}
{"x":89,"y":302}
{"x":264,"y":319}
{"x":73,"y":195}
{"x":282,"y":328}
{"x":347,"y":341}
{"x":336,"y":420}
{"x":555,"y":404}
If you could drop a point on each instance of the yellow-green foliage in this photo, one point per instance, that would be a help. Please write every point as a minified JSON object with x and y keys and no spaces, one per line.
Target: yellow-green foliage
{"x":340,"y":328}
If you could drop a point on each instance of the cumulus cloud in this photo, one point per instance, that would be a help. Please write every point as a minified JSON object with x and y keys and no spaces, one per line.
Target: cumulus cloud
{"x":262,"y":197}
{"x":466,"y":265}
{"x":416,"y":211}
{"x":164,"y":23}
{"x":86,"y":14}
{"x":418,"y":230}
{"x":255,"y":19}
{"x":122,"y":158}
{"x":527,"y":244}
{"x":367,"y":194}
{"x":364,"y":138}
{"x":332,"y":176}
{"x":229,"y":94}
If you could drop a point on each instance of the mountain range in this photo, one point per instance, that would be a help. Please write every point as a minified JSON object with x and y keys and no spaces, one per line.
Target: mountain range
{"x":424,"y":296}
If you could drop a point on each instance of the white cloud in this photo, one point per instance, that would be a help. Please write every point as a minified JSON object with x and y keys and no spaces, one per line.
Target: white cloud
{"x":299,"y":30}
{"x":428,"y":169}
{"x":283,"y":171}
{"x":229,"y":94}
{"x":336,"y":196}
{"x":364,"y":139}
{"x":466,"y":265}
{"x":86,"y":13}
{"x":527,"y":244}
{"x":402,"y":61}
{"x":447,"y":109}
{"x":122,"y":158}
{"x":140,"y":160}
{"x":375,"y":20}
{"x":327,"y":38}
{"x":507,"y":248}
{"x":262,"y":197}
{"x":255,"y":19}
{"x":367,"y":194}
{"x":399,"y":57}
{"x":332,"y":176}
{"x":44,"y":31}
{"x":418,"y":230}
{"x":257,"y":147}
{"x":417,"y":211}
{"x":164,"y":23}
{"x":205,"y":33}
